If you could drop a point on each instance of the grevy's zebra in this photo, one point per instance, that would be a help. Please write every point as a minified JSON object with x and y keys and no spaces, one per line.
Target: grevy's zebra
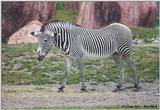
{"x":79,"y":42}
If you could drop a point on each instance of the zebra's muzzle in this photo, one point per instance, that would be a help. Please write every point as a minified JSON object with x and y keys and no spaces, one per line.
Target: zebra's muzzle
{"x":40,"y":58}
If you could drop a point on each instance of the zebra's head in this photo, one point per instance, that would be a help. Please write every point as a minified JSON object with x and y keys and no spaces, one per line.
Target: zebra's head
{"x":46,"y":41}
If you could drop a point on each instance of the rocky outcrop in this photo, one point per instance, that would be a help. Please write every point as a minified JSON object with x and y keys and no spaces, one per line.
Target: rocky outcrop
{"x":17,"y":14}
{"x":23,"y":35}
{"x":138,"y":13}
{"x":97,"y":14}
{"x":91,"y":15}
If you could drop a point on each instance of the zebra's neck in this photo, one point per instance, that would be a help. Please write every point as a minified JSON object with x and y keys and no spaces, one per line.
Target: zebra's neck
{"x":62,"y":42}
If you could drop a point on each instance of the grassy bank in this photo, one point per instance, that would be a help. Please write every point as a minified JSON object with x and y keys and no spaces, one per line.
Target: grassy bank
{"x":20,"y":66}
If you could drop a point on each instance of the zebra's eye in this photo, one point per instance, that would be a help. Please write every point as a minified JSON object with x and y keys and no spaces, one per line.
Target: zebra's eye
{"x":45,"y":40}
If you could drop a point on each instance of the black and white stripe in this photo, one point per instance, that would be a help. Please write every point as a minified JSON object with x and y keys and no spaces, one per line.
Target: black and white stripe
{"x":95,"y":43}
{"x":79,"y":42}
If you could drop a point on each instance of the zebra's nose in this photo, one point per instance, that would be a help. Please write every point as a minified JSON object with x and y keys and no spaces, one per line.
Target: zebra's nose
{"x":40,"y":58}
{"x":43,"y":56}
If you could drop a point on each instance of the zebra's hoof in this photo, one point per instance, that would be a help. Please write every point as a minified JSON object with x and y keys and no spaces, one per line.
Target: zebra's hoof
{"x":137,"y":87}
{"x":60,"y":89}
{"x":83,"y":90}
{"x":118,"y":88}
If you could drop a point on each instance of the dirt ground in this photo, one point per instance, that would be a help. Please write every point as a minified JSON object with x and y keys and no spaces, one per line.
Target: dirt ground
{"x":46,"y":96}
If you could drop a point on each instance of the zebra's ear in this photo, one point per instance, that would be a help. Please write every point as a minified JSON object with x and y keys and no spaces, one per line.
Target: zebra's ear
{"x":36,"y":33}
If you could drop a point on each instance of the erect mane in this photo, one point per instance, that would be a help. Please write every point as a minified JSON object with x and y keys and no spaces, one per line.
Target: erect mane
{"x":65,"y":23}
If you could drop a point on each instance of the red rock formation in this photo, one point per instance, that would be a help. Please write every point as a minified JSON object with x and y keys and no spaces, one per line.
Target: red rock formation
{"x":148,"y":13}
{"x":138,"y":13}
{"x":23,"y":35}
{"x":96,"y":14}
{"x":91,"y":14}
{"x":41,"y":11}
{"x":17,"y":14}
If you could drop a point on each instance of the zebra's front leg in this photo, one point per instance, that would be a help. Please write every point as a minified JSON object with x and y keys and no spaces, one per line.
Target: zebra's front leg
{"x":67,"y":66}
{"x":121,"y":68}
{"x":81,"y":72}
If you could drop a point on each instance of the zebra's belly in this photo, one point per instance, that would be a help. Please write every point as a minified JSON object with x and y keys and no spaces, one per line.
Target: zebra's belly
{"x":98,"y":47}
{"x":95,"y":56}
{"x":99,"y":53}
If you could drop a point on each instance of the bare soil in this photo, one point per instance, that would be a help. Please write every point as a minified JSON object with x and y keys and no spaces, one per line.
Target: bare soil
{"x":46,"y":96}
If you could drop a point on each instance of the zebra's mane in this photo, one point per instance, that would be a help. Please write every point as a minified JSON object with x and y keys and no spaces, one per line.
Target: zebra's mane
{"x":64,"y":23}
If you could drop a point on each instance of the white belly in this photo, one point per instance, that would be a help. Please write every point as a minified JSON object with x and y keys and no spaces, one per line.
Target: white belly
{"x":94,"y":56}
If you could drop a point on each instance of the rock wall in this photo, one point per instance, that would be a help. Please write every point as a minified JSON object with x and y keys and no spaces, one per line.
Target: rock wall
{"x":17,"y":14}
{"x":138,"y":13}
{"x":97,"y":14}
{"x":91,"y":14}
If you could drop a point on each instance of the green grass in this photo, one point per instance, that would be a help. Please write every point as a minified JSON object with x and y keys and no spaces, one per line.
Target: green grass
{"x":20,"y":66}
{"x":65,"y":14}
{"x":145,"y":33}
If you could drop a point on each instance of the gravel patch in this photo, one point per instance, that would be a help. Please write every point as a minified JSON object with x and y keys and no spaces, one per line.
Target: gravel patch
{"x":46,"y":96}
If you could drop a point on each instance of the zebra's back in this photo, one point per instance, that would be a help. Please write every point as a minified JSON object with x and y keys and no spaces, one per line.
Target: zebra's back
{"x":104,"y":42}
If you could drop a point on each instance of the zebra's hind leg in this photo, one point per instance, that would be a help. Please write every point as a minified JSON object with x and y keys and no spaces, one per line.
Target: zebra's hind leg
{"x":134,"y":75}
{"x":81,"y":72}
{"x":67,"y":66}
{"x":118,"y":60}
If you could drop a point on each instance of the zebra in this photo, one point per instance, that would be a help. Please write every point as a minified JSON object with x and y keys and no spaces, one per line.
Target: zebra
{"x":80,"y":43}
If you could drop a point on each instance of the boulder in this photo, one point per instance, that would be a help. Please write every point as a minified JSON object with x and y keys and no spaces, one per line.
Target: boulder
{"x":17,"y":14}
{"x":23,"y":34}
{"x":97,"y":14}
